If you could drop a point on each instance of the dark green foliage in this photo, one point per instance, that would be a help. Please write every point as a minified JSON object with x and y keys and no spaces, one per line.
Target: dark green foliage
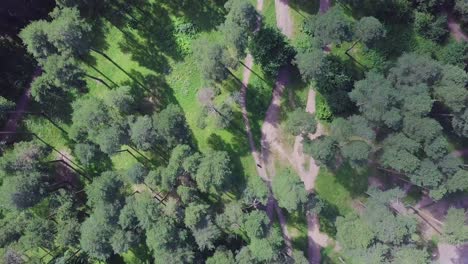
{"x":455,"y":230}
{"x":63,"y":71}
{"x":431,"y":27}
{"x":137,"y":173}
{"x":143,"y":133}
{"x":39,"y":233}
{"x":455,"y":53}
{"x":334,"y":84}
{"x":170,"y":124}
{"x":322,"y":149}
{"x":214,"y":172}
{"x":223,"y":115}
{"x":110,"y":139}
{"x":256,"y":191}
{"x":269,"y":41}
{"x":289,"y":190}
{"x":421,"y":129}
{"x":203,"y":229}
{"x":460,"y":123}
{"x":95,"y":236}
{"x":352,"y":232}
{"x":300,"y":122}
{"x":221,"y":256}
{"x":332,"y":27}
{"x":427,"y":175}
{"x":437,"y":148}
{"x":256,"y":224}
{"x":89,"y":116}
{"x":175,"y":168}
{"x":369,"y":30}
{"x":68,"y":233}
{"x":5,"y":105}
{"x":399,"y":153}
{"x":232,"y":218}
{"x":461,"y":8}
{"x":35,"y":38}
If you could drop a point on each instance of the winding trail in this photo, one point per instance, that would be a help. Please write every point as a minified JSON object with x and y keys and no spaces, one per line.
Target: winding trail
{"x":272,"y":205}
{"x":455,"y":28}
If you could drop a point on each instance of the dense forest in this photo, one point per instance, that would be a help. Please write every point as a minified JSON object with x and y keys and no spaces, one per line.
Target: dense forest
{"x":233,"y":131}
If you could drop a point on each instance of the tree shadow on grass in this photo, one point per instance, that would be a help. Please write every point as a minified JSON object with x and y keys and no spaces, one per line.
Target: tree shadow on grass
{"x":205,"y":15}
{"x":354,"y":181}
{"x":238,"y":180}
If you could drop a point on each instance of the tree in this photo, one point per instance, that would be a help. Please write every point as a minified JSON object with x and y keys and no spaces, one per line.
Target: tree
{"x":232,"y":218}
{"x":175,"y":169}
{"x":427,"y":174}
{"x":111,"y":138}
{"x":458,"y":181}
{"x":240,"y":22}
{"x":421,"y":129}
{"x":95,"y":237}
{"x":451,"y":89}
{"x":413,"y":69}
{"x":256,"y":225}
{"x":289,"y":190}
{"x":203,"y":229}
{"x":356,"y":152}
{"x":121,"y":241}
{"x":399,"y":153}
{"x":256,"y":191}
{"x":68,"y":32}
{"x":461,"y":7}
{"x":411,"y":255}
{"x":431,"y":27}
{"x":300,"y":122}
{"x":269,"y":41}
{"x":211,"y":59}
{"x":353,"y":233}
{"x":266,"y":249}
{"x":105,"y":188}
{"x":170,"y":124}
{"x":224,"y":115}
{"x":221,"y":256}
{"x":39,"y":233}
{"x":311,"y":64}
{"x":376,"y":99}
{"x":121,"y":99}
{"x":68,"y":233}
{"x":460,"y":123}
{"x":437,"y":148}
{"x":136,"y":174}
{"x":143,"y":133}
{"x":35,"y":38}
{"x":22,"y":191}
{"x":5,"y":105}
{"x":369,"y":30}
{"x":90,"y":115}
{"x":213,"y":172}
{"x":455,"y":53}
{"x":455,"y":231}
{"x":332,"y":27}
{"x":64,"y":72}
{"x":322,"y":149}
{"x":86,"y":153}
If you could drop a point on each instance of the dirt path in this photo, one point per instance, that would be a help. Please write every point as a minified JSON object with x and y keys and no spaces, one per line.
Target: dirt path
{"x":283,"y":18}
{"x":455,"y":28}
{"x":324,"y":6}
{"x":272,"y":205}
{"x":22,"y":104}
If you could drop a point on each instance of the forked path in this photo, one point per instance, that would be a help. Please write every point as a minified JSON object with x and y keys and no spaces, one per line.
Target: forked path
{"x":272,"y":205}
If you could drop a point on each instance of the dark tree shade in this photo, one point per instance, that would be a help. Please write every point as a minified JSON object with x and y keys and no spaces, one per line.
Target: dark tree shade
{"x":136,"y":174}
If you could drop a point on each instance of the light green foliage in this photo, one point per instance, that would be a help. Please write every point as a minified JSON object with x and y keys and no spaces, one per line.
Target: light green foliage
{"x":353,"y":233}
{"x":256,"y":191}
{"x":452,"y":88}
{"x":39,"y":233}
{"x":199,"y":221}
{"x":411,"y":255}
{"x":104,"y":189}
{"x":289,"y":190}
{"x":221,"y":256}
{"x":64,"y":72}
{"x":369,"y":30}
{"x":175,"y":168}
{"x":332,"y":27}
{"x":455,"y":230}
{"x":111,"y":138}
{"x":89,"y":116}
{"x":95,"y":236}
{"x":214,"y":172}
{"x":458,"y":181}
{"x":223,"y":115}
{"x":5,"y":105}
{"x":300,"y":122}
{"x":232,"y":218}
{"x":455,"y":53}
{"x":86,"y":153}
{"x":436,"y":148}
{"x":399,"y":153}
{"x":211,"y":59}
{"x":256,"y":225}
{"x":427,"y":175}
{"x":35,"y":38}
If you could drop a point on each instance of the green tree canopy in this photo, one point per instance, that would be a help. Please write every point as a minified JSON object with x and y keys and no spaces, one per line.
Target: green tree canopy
{"x":369,"y":30}
{"x":289,"y":190}
{"x":332,"y":27}
{"x":214,"y":171}
{"x":455,"y":230}
{"x":300,"y":122}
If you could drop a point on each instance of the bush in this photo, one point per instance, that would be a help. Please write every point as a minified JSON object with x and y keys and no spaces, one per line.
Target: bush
{"x":322,"y":109}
